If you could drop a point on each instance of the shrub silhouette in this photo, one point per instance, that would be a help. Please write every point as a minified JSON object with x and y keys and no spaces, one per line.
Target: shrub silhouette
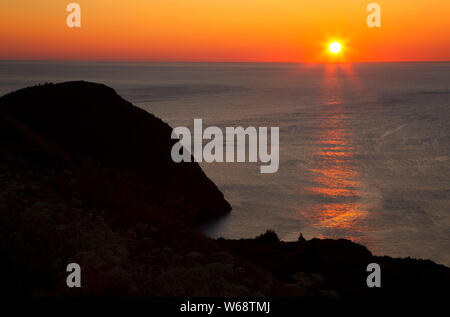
{"x":269,"y":236}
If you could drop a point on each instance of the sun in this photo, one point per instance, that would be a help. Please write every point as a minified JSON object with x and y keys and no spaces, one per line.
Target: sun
{"x":335,"y":47}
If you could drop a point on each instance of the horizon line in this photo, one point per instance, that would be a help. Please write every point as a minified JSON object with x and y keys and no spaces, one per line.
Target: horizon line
{"x":220,"y":61}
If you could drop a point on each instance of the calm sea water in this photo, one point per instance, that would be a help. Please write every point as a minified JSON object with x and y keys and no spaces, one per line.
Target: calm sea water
{"x":364,"y":148}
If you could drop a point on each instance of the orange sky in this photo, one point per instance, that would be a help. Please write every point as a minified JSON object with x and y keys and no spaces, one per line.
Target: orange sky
{"x":224,"y":30}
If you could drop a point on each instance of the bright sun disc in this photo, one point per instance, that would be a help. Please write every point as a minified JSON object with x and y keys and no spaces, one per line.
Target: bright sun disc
{"x":335,"y":47}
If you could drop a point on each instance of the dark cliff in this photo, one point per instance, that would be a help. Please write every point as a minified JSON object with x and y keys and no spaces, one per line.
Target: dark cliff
{"x":91,"y":121}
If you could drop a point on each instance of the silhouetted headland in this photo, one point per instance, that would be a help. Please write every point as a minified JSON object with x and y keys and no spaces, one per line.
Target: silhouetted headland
{"x":87,"y":177}
{"x":87,"y":120}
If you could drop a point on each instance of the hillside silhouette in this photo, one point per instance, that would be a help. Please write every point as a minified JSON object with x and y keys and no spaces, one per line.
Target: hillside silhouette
{"x":88,"y":120}
{"x":87,"y":177}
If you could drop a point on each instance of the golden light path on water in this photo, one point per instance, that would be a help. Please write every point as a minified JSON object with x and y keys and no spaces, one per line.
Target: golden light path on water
{"x":334,"y":176}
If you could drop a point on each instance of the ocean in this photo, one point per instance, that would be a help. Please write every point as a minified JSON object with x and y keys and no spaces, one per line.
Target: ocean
{"x":364,"y":148}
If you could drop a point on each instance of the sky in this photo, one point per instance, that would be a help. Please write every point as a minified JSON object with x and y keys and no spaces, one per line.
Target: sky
{"x":225,"y":30}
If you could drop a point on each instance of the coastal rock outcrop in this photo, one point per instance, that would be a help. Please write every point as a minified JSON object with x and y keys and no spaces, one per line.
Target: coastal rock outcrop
{"x":91,"y":121}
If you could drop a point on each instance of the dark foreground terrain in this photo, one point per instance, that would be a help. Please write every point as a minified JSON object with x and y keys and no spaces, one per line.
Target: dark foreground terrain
{"x":86,"y":177}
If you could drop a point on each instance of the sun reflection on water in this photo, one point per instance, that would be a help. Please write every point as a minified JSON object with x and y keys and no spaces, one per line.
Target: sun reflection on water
{"x":337,"y":211}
